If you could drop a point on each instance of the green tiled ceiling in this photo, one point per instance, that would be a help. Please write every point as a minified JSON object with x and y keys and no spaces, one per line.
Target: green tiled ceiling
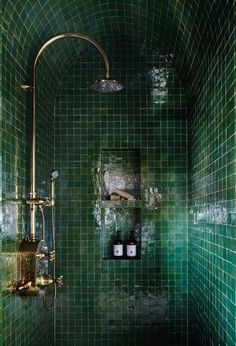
{"x":174,"y":25}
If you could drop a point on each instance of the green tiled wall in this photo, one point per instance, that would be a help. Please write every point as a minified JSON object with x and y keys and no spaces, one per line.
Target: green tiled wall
{"x":0,"y":195}
{"x":212,"y":247}
{"x":24,"y":322}
{"x":201,"y":38}
{"x":107,"y":302}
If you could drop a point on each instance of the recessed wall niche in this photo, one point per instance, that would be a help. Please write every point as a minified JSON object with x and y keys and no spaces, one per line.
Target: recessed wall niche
{"x":124,"y":220}
{"x":120,"y":174}
{"x":120,"y":198}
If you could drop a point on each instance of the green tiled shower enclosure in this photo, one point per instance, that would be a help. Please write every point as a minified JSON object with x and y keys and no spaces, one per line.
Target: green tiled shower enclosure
{"x":176,"y":118}
{"x":118,"y":299}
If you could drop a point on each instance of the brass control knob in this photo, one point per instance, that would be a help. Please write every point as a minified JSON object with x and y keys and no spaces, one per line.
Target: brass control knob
{"x":51,"y":255}
{"x":40,"y":255}
{"x":58,"y":281}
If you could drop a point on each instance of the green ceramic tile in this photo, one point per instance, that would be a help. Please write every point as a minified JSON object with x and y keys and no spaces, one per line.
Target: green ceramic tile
{"x":120,"y":286}
{"x":212,"y":168}
{"x":176,"y":60}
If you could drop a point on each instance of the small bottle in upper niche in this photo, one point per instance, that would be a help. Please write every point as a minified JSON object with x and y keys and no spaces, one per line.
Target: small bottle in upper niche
{"x":118,"y":246}
{"x":131,"y":246}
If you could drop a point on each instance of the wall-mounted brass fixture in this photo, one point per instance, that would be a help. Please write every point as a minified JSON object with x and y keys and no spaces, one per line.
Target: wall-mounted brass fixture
{"x":33,"y":256}
{"x":33,"y":261}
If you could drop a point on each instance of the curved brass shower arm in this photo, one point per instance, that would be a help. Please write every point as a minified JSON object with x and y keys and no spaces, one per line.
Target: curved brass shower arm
{"x":33,"y":86}
{"x":72,"y":34}
{"x":33,"y":194}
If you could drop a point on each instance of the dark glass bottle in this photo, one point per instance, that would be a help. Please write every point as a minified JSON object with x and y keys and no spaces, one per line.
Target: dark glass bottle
{"x":131,"y":246}
{"x":118,"y":246}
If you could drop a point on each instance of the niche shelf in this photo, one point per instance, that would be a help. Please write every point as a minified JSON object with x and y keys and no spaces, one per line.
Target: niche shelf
{"x":125,"y":220}
{"x":121,"y":204}
{"x":120,"y":197}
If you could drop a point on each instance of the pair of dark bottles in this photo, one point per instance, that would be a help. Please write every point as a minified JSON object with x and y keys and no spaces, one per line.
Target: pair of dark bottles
{"x":130,"y":246}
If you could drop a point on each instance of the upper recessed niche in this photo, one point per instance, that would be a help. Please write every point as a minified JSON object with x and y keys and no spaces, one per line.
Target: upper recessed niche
{"x":120,"y":174}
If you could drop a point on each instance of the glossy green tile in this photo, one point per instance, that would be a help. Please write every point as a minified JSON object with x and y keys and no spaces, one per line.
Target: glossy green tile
{"x":211,"y":238}
{"x":117,"y":288}
{"x":193,"y":45}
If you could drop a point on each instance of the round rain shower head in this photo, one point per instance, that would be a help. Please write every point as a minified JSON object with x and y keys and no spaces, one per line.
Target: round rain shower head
{"x":55,"y":174}
{"x":107,"y":86}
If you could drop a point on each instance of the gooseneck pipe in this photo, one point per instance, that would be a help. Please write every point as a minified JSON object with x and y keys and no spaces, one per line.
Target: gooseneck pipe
{"x":33,"y":193}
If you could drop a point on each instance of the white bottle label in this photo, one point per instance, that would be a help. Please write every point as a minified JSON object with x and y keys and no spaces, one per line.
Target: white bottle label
{"x":131,"y":250}
{"x":118,"y":250}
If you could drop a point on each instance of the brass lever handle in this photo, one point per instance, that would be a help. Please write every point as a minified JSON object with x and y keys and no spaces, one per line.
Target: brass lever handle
{"x":42,"y":255}
{"x":46,"y":280}
{"x":20,"y":285}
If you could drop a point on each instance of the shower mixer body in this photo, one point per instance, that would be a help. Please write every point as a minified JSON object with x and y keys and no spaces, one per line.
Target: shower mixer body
{"x":33,"y":259}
